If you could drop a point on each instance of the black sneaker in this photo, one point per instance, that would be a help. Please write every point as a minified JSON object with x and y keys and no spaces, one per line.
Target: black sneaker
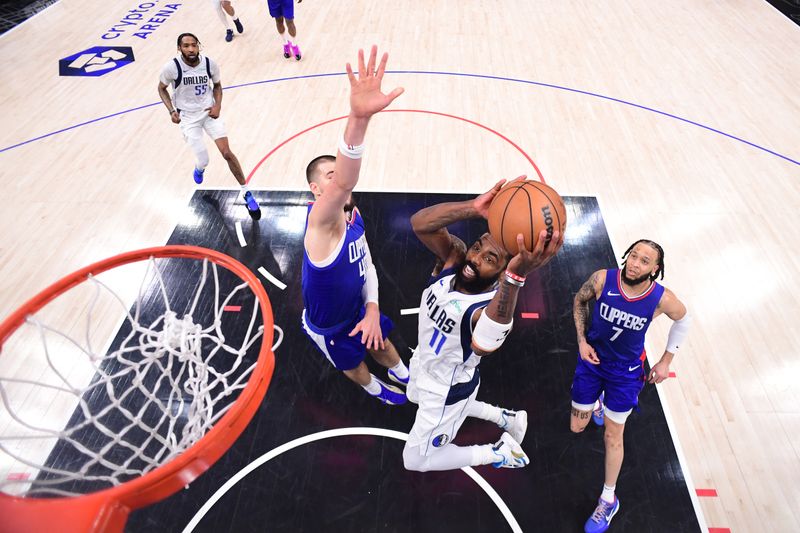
{"x":238,"y":25}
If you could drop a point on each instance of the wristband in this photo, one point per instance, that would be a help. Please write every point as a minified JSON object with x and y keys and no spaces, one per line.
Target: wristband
{"x":514,"y":279}
{"x":350,"y":151}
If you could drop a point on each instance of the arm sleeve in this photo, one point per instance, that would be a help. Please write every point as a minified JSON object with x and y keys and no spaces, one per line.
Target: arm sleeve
{"x":370,"y":289}
{"x":678,"y":332}
{"x":168,"y":74}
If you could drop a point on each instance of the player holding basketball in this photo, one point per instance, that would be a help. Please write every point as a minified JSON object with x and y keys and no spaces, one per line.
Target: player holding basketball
{"x":465,"y":314}
{"x":196,"y":108}
{"x":224,"y":8}
{"x":612,"y":355}
{"x":340,"y":285}
{"x":283,"y":10}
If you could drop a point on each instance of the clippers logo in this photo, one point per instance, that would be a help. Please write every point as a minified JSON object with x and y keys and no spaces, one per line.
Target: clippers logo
{"x":95,"y":61}
{"x":440,"y":440}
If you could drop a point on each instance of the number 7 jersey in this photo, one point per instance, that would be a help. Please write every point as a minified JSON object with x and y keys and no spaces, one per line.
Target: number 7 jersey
{"x":619,"y":322}
{"x":444,"y":353}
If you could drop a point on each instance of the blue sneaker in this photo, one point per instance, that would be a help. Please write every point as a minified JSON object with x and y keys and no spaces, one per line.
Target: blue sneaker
{"x":602,"y":515}
{"x":239,"y":26}
{"x":516,"y":423}
{"x":198,"y":175}
{"x":252,"y":206}
{"x":598,"y":415}
{"x":390,"y":394}
{"x":509,"y":453}
{"x":397,"y":379}
{"x":229,"y":35}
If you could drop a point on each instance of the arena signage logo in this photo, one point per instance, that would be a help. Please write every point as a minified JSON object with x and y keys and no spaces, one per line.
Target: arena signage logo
{"x":95,"y":61}
{"x":139,"y":22}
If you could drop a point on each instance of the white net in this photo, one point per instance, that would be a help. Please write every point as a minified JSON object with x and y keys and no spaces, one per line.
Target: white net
{"x":75,"y":419}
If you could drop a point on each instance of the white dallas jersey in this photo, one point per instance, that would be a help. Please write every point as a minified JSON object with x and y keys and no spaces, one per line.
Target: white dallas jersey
{"x":444,"y":354}
{"x":192,"y":86}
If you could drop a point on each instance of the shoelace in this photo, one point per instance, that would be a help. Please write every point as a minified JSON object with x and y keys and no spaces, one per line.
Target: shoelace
{"x":601,"y":511}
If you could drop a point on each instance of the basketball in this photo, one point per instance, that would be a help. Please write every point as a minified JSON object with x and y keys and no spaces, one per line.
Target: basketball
{"x":525,"y":207}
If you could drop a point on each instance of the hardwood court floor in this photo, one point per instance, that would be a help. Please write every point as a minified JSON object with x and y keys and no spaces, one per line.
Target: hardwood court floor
{"x":712,"y":174}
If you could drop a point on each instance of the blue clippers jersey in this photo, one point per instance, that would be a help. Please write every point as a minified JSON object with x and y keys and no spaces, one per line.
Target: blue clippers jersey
{"x":332,"y":293}
{"x":619,"y":323}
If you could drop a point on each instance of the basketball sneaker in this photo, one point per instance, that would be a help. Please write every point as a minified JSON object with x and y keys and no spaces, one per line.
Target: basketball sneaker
{"x":238,"y":25}
{"x":229,"y":35}
{"x":390,"y":394}
{"x":598,"y":415}
{"x":516,"y":423}
{"x":397,"y":379}
{"x":601,"y":517}
{"x":252,"y":206}
{"x":198,"y":175}
{"x":296,"y":52}
{"x":287,"y":50}
{"x":509,"y":453}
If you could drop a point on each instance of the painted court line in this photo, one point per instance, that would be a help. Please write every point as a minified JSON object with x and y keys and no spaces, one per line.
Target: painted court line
{"x":706,"y":492}
{"x":410,"y":311}
{"x":240,"y":234}
{"x":272,"y":279}
{"x":381,"y":432}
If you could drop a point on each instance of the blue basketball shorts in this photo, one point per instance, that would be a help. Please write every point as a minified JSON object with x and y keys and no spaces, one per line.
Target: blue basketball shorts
{"x":622,"y":382}
{"x":345,"y":352}
{"x":281,"y":8}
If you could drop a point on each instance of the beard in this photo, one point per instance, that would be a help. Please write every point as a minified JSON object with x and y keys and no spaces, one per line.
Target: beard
{"x":634,"y":281}
{"x":475,"y":285}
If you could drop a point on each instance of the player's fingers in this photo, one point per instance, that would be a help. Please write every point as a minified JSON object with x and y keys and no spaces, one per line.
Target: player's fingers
{"x":395,"y":93}
{"x":539,"y":248}
{"x":499,"y":185}
{"x":350,"y":74}
{"x":362,"y":68}
{"x":520,"y":178}
{"x":373,"y":54}
{"x":382,"y":65}
{"x":355,"y":330}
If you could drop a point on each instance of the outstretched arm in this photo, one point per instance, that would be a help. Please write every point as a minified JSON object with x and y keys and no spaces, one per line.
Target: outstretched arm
{"x":671,"y":306}
{"x":366,"y":99}
{"x":430,"y":225}
{"x":589,"y":291}
{"x":493,"y":325}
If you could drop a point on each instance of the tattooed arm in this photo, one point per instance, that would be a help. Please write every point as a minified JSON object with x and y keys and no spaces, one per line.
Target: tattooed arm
{"x":590,"y":290}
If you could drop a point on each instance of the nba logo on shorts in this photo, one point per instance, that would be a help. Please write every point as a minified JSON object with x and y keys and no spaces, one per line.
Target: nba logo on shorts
{"x":440,"y":440}
{"x":95,"y":61}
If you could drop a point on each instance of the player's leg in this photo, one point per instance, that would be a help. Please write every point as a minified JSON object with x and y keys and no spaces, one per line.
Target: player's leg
{"x":388,"y":357}
{"x":587,"y":385}
{"x":219,"y":8}
{"x":621,"y":396}
{"x":228,"y":8}
{"x":436,"y":424}
{"x":288,"y":14}
{"x":346,"y":353}
{"x":515,"y":422}
{"x":216,"y":130}
{"x":193,"y":135}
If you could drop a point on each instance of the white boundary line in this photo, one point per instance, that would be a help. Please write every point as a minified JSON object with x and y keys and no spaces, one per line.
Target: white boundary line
{"x":240,"y":234}
{"x":698,"y":510}
{"x":272,"y":279}
{"x":381,"y":432}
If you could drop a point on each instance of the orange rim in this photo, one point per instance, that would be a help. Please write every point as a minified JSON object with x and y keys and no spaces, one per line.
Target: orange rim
{"x":107,"y":510}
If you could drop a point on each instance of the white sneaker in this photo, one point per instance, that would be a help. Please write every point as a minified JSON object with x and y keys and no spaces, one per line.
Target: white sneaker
{"x":509,"y":453}
{"x":516,"y":423}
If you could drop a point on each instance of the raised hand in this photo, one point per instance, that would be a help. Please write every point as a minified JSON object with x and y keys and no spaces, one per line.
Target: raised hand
{"x":482,"y":202}
{"x":526,"y":262}
{"x":366,"y":97}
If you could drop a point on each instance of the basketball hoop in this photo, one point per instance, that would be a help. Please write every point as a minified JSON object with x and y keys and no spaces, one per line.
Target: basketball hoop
{"x":175,"y":393}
